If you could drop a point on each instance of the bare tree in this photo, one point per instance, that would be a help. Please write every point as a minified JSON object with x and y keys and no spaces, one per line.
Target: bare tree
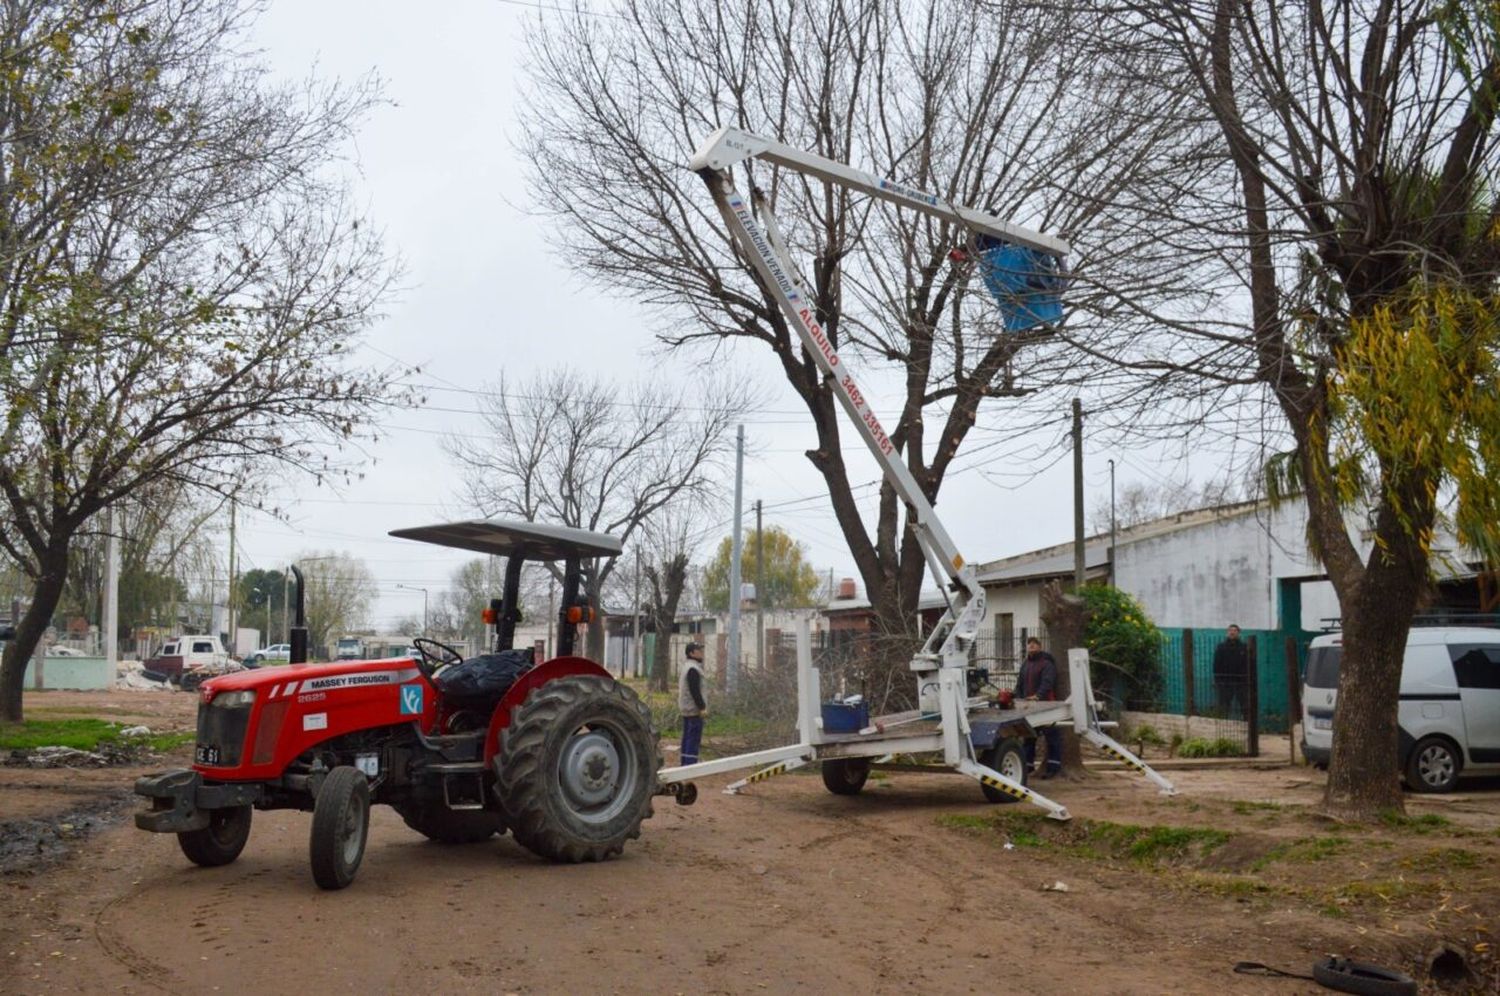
{"x":583,"y":453}
{"x":981,"y":107}
{"x":1141,"y":501}
{"x":1347,"y":228}
{"x":339,"y":590}
{"x":180,"y":280}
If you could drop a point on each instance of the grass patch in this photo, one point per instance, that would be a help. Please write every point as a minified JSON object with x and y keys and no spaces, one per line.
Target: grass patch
{"x":1302,"y":852}
{"x":1245,"y":807}
{"x":1154,"y":844}
{"x":1097,"y":839}
{"x":81,"y":734}
{"x":1442,"y":859}
{"x":1229,"y":886}
{"x":1423,"y":824}
{"x":1199,"y":747}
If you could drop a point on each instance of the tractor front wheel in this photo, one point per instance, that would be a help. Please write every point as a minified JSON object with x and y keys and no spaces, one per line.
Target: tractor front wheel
{"x":577,"y":769}
{"x":448,"y":826}
{"x":340,"y":827}
{"x":221,"y":841}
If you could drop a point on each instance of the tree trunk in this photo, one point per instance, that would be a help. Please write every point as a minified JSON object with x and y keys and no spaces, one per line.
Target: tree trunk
{"x":1363,"y":773}
{"x":29,"y":632}
{"x":1066,"y":619}
{"x":666,"y":592}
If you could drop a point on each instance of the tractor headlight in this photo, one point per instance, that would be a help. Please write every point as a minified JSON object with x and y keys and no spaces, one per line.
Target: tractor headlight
{"x":243,"y":699}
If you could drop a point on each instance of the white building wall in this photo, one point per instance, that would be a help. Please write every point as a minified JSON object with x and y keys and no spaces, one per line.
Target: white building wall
{"x":1226,"y":571}
{"x":1023,"y":602}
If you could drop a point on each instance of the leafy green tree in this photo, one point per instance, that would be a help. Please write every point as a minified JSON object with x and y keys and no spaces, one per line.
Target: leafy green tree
{"x":790,"y":581}
{"x":262,"y":599}
{"x":181,"y":277}
{"x":1122,"y":640}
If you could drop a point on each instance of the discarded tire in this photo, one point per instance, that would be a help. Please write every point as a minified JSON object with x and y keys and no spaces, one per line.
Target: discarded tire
{"x":846,"y":775}
{"x":1008,"y":757}
{"x":221,"y":841}
{"x":448,"y":826}
{"x":340,"y":827}
{"x":1362,"y":978}
{"x":577,"y":769}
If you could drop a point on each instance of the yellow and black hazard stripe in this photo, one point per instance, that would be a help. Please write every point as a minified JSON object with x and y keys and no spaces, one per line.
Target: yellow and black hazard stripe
{"x":995,"y":783}
{"x":773,"y":770}
{"x":1122,"y":756}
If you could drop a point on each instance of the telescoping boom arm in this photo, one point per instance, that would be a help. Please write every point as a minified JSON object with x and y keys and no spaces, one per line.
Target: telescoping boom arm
{"x":767,"y":252}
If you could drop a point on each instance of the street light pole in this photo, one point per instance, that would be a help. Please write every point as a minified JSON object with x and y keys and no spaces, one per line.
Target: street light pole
{"x":412,"y":587}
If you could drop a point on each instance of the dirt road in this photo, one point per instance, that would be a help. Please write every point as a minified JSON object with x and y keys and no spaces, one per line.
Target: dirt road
{"x":788,"y":889}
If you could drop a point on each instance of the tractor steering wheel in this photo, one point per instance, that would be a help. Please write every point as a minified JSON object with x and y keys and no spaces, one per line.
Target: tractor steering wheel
{"x":433,"y":655}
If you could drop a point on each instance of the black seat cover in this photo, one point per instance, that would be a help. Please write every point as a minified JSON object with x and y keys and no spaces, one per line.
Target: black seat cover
{"x":479,"y":682}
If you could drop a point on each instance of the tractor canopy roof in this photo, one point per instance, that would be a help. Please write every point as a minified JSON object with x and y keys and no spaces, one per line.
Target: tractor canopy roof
{"x":507,"y":537}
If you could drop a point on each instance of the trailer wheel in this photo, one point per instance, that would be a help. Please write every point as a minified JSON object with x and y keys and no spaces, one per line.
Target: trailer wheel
{"x":340,"y":827}
{"x":577,"y":769}
{"x":447,"y":826}
{"x":846,"y":775}
{"x":1008,"y":757}
{"x":221,"y":841}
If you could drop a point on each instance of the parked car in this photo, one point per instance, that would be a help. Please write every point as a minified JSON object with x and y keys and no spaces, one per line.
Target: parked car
{"x":1449,"y":713}
{"x":276,"y":653}
{"x":187,"y":653}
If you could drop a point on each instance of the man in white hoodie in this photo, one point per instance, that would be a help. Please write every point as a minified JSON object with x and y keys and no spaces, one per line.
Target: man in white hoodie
{"x":691,"y":702}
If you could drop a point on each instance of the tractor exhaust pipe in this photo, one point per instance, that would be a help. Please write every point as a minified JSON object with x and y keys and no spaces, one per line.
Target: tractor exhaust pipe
{"x":297,"y":635}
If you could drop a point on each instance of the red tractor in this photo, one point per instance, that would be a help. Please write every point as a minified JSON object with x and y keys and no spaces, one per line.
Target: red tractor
{"x":557,"y":752}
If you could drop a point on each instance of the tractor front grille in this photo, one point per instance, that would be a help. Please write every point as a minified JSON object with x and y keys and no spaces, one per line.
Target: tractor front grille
{"x":221,"y":734}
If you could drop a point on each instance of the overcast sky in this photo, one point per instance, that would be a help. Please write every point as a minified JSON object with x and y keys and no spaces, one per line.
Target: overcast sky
{"x":438,"y":172}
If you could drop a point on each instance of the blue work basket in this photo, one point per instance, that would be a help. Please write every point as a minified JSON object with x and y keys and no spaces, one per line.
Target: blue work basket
{"x":1027,"y":284}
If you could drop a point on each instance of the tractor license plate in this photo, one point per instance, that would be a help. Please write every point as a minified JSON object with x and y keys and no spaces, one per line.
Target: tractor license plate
{"x":204,"y":754}
{"x":1320,"y":723}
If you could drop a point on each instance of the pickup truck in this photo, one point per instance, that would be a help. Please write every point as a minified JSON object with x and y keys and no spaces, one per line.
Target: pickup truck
{"x":185,"y":654}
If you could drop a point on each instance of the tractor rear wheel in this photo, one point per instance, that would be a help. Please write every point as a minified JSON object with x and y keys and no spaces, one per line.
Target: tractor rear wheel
{"x":846,"y":775}
{"x":449,"y":826}
{"x":577,"y":769}
{"x":340,"y":827}
{"x":221,"y":841}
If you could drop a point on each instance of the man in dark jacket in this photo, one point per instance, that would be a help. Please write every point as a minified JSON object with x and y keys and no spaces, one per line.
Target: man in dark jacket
{"x":1231,"y":672}
{"x":1038,"y":683}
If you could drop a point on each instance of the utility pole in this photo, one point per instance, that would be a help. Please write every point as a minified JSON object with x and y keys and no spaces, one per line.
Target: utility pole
{"x":1078,"y":560}
{"x":111,"y":595}
{"x":732,"y":666}
{"x":551,"y":615}
{"x":635,"y":622}
{"x":286,"y":620}
{"x":233,"y":621}
{"x":1112,"y":581}
{"x":760,"y":593}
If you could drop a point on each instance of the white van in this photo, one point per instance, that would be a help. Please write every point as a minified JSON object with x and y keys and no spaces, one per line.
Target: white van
{"x":1450,"y":704}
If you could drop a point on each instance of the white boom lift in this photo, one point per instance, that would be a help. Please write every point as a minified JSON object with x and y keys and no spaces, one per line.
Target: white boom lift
{"x":942,"y":666}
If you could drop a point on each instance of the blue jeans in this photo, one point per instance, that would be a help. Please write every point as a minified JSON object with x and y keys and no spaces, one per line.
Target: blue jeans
{"x":1054,"y":749}
{"x":692,"y":737}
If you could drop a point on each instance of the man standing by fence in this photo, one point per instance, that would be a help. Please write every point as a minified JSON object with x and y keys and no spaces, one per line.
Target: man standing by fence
{"x":1231,"y":671}
{"x":691,"y":703}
